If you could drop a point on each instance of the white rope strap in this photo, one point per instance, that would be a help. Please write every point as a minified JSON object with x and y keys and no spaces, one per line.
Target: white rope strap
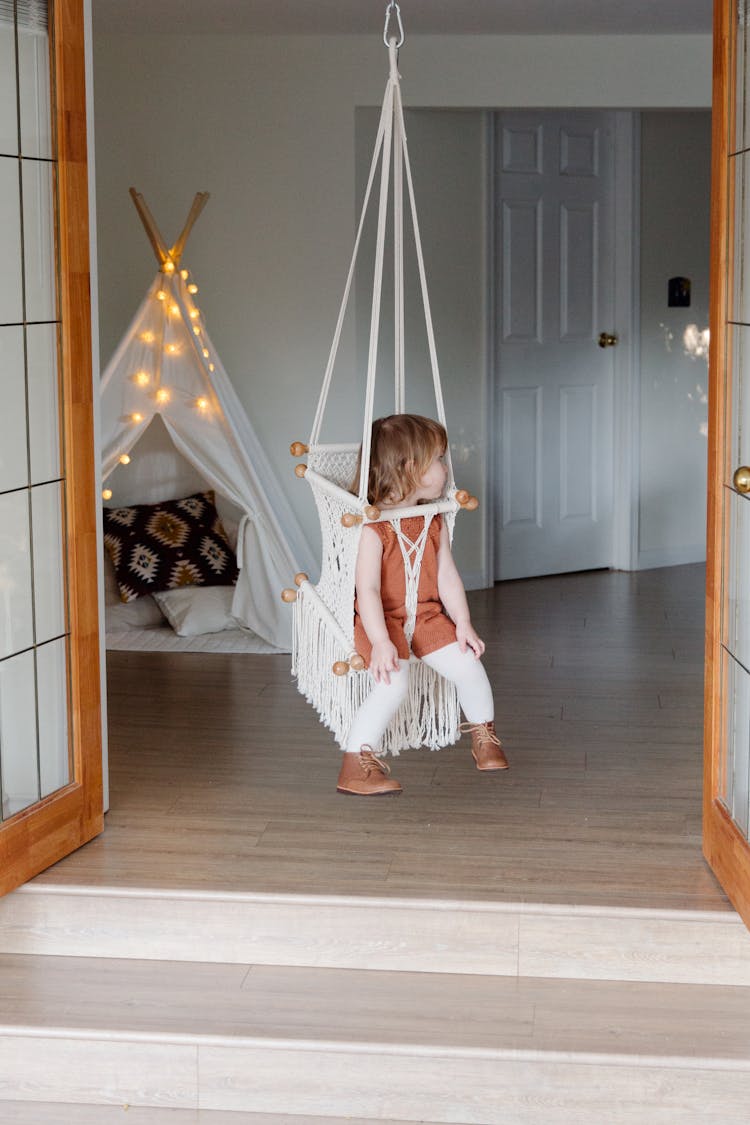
{"x":377,"y":293}
{"x":318,"y":420}
{"x":412,"y":552}
{"x":399,"y":111}
{"x":391,"y":136}
{"x":398,"y":252}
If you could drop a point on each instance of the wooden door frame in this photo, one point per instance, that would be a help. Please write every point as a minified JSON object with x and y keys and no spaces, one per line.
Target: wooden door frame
{"x":724,"y":846}
{"x":58,"y":824}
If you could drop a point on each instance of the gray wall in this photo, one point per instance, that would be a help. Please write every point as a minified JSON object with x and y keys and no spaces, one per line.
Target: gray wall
{"x":675,"y":189}
{"x":267,"y":125}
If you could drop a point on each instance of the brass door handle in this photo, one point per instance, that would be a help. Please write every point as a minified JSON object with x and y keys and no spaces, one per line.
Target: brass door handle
{"x":741,"y":479}
{"x":607,"y":340}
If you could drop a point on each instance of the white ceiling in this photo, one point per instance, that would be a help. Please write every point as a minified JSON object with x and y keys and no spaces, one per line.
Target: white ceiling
{"x":439,"y":17}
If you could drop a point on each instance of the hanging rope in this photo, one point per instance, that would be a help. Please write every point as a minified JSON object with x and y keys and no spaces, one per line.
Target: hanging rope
{"x":391,"y":149}
{"x":377,"y":293}
{"x":317,"y":421}
{"x":398,"y":250}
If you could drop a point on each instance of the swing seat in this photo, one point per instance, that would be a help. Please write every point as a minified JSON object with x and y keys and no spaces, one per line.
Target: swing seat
{"x":323,"y":629}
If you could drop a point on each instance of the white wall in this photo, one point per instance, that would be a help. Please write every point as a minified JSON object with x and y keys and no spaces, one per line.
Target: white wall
{"x":675,"y":189}
{"x":267,"y":125}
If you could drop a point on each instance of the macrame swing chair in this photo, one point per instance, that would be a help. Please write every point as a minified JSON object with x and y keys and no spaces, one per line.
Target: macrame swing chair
{"x":329,"y":671}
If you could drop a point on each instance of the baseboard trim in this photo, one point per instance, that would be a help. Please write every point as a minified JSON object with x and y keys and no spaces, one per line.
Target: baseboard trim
{"x":671,"y":556}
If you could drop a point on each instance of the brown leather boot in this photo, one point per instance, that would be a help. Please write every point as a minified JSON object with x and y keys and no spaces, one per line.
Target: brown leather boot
{"x":486,"y":748}
{"x":366,"y":775}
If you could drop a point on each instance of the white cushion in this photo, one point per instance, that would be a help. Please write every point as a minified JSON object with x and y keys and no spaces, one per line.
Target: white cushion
{"x":143,"y":613}
{"x":192,"y":610}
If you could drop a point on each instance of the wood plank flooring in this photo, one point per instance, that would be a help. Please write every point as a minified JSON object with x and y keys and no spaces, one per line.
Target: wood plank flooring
{"x":223,"y":779}
{"x":49,"y":1113}
{"x":448,"y":1014}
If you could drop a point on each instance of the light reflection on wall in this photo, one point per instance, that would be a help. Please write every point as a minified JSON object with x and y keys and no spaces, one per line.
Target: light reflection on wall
{"x":695,"y":346}
{"x":462,"y":449}
{"x":695,"y":342}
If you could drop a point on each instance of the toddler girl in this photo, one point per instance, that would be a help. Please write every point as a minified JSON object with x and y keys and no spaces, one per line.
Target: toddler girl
{"x":407,"y":467}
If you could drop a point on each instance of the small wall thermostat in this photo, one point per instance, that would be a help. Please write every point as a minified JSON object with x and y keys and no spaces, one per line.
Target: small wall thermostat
{"x":678,"y":290}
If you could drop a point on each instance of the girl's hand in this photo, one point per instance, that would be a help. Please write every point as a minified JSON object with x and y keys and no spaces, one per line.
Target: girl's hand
{"x":383,"y":661}
{"x":467,"y":638}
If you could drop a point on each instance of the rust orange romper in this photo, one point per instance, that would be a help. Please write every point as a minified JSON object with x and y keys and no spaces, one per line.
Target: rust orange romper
{"x":433,"y":628}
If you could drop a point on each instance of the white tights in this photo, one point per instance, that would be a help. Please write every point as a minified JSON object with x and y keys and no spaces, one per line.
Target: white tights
{"x":461,"y":668}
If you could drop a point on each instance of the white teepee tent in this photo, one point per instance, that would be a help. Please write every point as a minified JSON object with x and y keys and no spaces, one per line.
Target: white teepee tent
{"x":166,"y":364}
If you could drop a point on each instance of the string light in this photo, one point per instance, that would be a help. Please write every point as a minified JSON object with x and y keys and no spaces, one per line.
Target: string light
{"x":194,"y":313}
{"x":174,"y":309}
{"x":197,"y":329}
{"x":136,"y":417}
{"x":184,"y":274}
{"x":168,"y":266}
{"x":172,"y":349}
{"x":148,"y":337}
{"x":125,"y":459}
{"x":205,"y":353}
{"x":202,"y":403}
{"x":106,"y":494}
{"x":161,"y":295}
{"x":192,"y":287}
{"x":162,"y":395}
{"x":142,"y":378}
{"x":210,"y":367}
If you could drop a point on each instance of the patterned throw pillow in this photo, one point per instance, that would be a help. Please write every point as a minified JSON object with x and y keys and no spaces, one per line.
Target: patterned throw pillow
{"x":164,"y":546}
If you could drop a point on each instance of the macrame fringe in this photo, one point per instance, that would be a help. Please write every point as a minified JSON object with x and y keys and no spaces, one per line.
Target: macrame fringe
{"x":429,"y":716}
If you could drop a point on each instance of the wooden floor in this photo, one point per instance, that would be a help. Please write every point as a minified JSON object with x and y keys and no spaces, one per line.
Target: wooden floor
{"x":223,"y":779}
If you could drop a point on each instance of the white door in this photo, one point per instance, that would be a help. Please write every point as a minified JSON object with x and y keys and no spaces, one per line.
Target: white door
{"x":554,"y":287}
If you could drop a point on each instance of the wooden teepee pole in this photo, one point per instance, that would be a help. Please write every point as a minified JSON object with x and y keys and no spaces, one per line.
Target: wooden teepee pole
{"x":200,"y":201}
{"x":149,"y":223}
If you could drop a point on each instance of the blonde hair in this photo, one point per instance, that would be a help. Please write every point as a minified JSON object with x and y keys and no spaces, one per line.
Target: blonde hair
{"x":403,"y":446}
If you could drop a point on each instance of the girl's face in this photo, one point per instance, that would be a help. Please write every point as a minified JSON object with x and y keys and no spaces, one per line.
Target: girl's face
{"x":433,"y":481}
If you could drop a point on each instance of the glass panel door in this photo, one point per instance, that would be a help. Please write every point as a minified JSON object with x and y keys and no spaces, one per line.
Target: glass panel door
{"x":727,"y":773}
{"x":34,"y":628}
{"x":50,"y":746}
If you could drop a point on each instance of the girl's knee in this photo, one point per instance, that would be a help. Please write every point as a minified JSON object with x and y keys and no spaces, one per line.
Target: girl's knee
{"x":471,"y":671}
{"x":455,"y":665}
{"x":401,"y":682}
{"x":398,"y":687}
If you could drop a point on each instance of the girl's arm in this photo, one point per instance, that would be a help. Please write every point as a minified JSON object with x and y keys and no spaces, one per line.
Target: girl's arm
{"x":453,"y":596}
{"x":367,"y":576}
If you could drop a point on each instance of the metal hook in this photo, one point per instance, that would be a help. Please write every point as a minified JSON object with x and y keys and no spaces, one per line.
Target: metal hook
{"x":391,"y":7}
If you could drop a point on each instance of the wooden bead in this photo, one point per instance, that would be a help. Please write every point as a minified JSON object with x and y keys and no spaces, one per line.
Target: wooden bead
{"x":288,"y":595}
{"x":357,"y":662}
{"x":340,"y":668}
{"x":300,"y":578}
{"x":300,"y":470}
{"x":297,"y":448}
{"x":471,"y":504}
{"x":462,"y":496}
{"x":372,"y":512}
{"x":349,"y":519}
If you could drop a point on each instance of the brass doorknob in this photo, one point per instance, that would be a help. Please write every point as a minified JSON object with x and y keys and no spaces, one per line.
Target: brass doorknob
{"x":741,"y":479}
{"x":606,"y":340}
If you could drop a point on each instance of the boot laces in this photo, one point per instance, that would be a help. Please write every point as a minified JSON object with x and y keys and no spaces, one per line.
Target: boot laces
{"x":369,"y":761}
{"x":485,"y":731}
